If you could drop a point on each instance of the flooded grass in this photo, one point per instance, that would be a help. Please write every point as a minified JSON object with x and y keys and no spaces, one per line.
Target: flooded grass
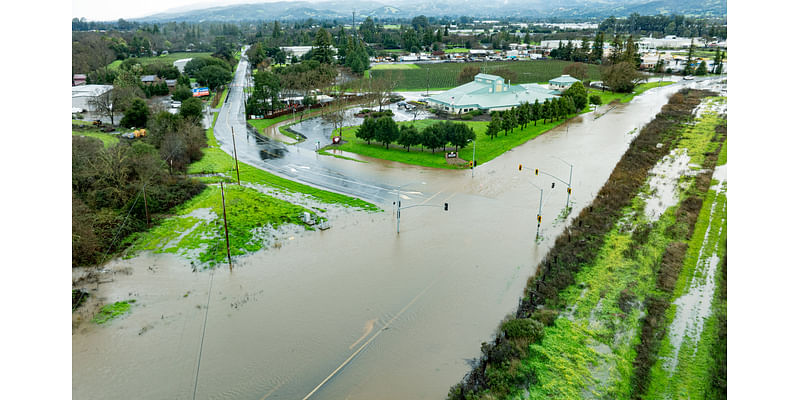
{"x":603,"y":269}
{"x":248,"y":211}
{"x":111,"y":311}
{"x":606,"y":276}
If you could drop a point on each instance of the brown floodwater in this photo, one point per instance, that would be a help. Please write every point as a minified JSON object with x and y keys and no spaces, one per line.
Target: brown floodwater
{"x":357,"y":311}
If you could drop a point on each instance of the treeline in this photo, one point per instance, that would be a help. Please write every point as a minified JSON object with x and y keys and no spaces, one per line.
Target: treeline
{"x":500,"y":371}
{"x":94,"y":50}
{"x":663,"y":25}
{"x":572,"y":100}
{"x":438,"y":135}
{"x":110,"y":186}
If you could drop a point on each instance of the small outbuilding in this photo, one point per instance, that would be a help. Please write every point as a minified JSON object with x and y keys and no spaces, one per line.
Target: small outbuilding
{"x":562,"y":83}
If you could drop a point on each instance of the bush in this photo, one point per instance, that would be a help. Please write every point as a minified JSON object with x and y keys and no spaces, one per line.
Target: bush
{"x":546,"y":316}
{"x":466,"y":117}
{"x":525,"y":328}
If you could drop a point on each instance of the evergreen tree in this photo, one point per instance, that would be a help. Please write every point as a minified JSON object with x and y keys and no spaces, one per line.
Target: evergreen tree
{"x":322,"y":50}
{"x":367,"y":130}
{"x":495,"y":125}
{"x":597,"y":48}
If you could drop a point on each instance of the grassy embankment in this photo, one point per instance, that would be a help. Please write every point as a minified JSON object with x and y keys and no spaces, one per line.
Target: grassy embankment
{"x":687,"y":363}
{"x":262,"y":124}
{"x":250,"y":210}
{"x":585,"y":301}
{"x":167,"y":59}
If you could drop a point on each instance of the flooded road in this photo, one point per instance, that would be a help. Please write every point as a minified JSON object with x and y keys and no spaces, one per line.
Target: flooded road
{"x":357,"y":311}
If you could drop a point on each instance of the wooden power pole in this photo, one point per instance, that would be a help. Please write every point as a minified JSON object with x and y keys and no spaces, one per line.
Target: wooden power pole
{"x":225,"y":219}
{"x":235,"y":158}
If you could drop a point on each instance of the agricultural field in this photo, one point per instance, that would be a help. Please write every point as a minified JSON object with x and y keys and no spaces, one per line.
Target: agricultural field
{"x":442,"y":76}
{"x":167,"y":59}
{"x":379,"y":67}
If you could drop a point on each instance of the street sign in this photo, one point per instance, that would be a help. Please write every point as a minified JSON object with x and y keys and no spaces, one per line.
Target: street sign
{"x":198,"y":92}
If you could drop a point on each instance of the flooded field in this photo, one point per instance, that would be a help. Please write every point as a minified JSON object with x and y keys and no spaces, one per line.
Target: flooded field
{"x":357,"y":311}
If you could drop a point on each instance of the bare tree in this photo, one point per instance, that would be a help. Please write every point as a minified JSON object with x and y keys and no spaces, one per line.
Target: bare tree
{"x":104,"y":104}
{"x":382,"y":89}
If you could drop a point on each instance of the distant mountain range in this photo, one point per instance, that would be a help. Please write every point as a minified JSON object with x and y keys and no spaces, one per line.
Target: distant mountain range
{"x":567,"y":10}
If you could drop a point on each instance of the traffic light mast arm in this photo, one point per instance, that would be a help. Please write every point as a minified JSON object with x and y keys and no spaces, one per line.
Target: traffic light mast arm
{"x":421,"y":205}
{"x":553,"y":176}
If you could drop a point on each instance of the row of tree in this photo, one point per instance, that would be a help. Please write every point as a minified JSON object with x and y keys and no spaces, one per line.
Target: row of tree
{"x":593,"y":53}
{"x":573,"y":100}
{"x":384,"y":130}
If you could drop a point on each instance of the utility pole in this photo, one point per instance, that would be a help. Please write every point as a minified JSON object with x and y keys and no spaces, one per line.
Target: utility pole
{"x":225,"y":219}
{"x":146,"y":212}
{"x":474,"y":144}
{"x":235,"y":157}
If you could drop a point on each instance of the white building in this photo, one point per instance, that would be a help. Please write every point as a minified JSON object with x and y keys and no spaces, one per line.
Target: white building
{"x":81,"y":95}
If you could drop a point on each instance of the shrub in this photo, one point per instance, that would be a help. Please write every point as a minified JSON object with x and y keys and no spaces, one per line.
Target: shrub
{"x":466,"y":117}
{"x":525,"y":328}
{"x":546,"y":316}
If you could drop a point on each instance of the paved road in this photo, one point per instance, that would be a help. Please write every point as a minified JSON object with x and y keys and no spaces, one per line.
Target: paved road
{"x":298,"y":162}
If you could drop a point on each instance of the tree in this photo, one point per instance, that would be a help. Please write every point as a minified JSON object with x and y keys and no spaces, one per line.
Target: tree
{"x":702,"y":69}
{"x":192,"y":109}
{"x":322,"y":51}
{"x":136,"y":115}
{"x":621,"y":77}
{"x":468,"y":73}
{"x":460,"y":134}
{"x":213,"y":76}
{"x":495,"y":125}
{"x":433,"y":137}
{"x":524,"y":114}
{"x":509,"y":120}
{"x":597,"y":48}
{"x":181,"y":93}
{"x":577,"y":92}
{"x":409,"y":136}
{"x":577,"y":70}
{"x":104,"y":104}
{"x":536,"y":111}
{"x":368,"y":129}
{"x":386,"y":130}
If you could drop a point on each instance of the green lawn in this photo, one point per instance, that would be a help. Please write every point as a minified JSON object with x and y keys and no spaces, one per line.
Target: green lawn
{"x":167,"y":59}
{"x":487,"y":149}
{"x":108,"y":140}
{"x":394,"y":66}
{"x":608,"y":96}
{"x":457,"y":50}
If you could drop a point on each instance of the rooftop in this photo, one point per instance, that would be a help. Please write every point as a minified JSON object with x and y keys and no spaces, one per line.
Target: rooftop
{"x":490,"y":91}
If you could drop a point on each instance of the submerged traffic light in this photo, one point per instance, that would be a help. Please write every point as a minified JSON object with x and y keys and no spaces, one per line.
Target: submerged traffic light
{"x":536,"y":171}
{"x":445,"y":206}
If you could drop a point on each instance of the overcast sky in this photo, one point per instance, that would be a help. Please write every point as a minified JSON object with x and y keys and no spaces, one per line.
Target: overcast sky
{"x":112,"y":10}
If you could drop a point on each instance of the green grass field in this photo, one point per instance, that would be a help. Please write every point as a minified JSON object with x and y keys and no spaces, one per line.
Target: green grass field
{"x":445,"y":75}
{"x":457,"y":50}
{"x":108,"y":140}
{"x":394,"y":66}
{"x":167,"y":59}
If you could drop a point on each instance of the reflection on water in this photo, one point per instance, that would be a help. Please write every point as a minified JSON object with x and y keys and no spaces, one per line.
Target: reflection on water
{"x":417,"y":304}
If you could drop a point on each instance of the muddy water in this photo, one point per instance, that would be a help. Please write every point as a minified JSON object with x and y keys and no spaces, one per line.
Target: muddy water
{"x":368,"y":312}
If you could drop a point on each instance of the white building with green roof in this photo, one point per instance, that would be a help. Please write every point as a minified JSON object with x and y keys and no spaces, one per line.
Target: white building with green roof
{"x":562,"y":83}
{"x":489,"y":93}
